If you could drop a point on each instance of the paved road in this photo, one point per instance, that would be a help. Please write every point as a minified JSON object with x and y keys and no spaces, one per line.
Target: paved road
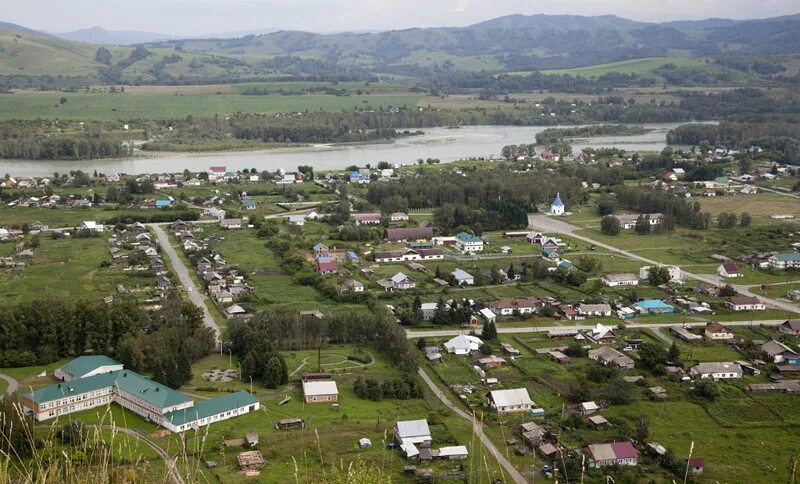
{"x":535,"y":329}
{"x":168,"y":460}
{"x":196,"y":295}
{"x":13,"y":384}
{"x":510,"y":469}
{"x":552,"y":224}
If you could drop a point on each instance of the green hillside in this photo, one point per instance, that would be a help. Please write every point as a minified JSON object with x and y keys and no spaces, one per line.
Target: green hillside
{"x":23,"y":53}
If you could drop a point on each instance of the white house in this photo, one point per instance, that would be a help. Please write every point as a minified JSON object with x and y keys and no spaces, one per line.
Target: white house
{"x":557,"y":207}
{"x":729,"y":269}
{"x":623,"y":279}
{"x":594,"y":309}
{"x":297,"y":220}
{"x":716,"y":370}
{"x":398,"y":217}
{"x":746,"y":303}
{"x":463,"y":278}
{"x":93,"y":226}
{"x":510,"y":401}
{"x":463,"y":344}
{"x":488,"y":315}
{"x":675,"y":273}
{"x":468,"y":243}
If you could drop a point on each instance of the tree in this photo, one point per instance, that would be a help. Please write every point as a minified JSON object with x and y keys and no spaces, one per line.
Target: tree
{"x":489,"y":331}
{"x":588,"y":263}
{"x":103,"y":56}
{"x":674,"y":352}
{"x":653,"y":357}
{"x":642,"y":430}
{"x":485,"y":349}
{"x":727,"y":291}
{"x":745,"y":219}
{"x":605,"y":207}
{"x":274,"y":373}
{"x":705,"y":389}
{"x":609,"y":225}
{"x":642,"y":225}
{"x":658,"y":275}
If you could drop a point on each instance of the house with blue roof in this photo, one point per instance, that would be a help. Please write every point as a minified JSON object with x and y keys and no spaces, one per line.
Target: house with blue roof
{"x":163,"y":203}
{"x":249,"y":204}
{"x":786,"y":260}
{"x":463,"y":278}
{"x":653,"y":306}
{"x":95,"y":381}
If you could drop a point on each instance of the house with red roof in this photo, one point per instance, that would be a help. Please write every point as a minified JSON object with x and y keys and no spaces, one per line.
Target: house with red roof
{"x":506,"y":307}
{"x":729,"y":269}
{"x":614,"y":453}
{"x":327,"y":267}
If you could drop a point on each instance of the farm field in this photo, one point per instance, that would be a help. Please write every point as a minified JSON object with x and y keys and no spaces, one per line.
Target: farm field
{"x":157,"y":104}
{"x":643,"y":66}
{"x":761,"y":205}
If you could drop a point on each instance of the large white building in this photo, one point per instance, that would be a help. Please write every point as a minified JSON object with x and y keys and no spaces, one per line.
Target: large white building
{"x":675,"y":273}
{"x":468,"y":243}
{"x":718,"y":371}
{"x":158,"y":403}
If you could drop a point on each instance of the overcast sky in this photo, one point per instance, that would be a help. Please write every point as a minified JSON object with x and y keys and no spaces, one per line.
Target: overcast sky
{"x":198,"y":17}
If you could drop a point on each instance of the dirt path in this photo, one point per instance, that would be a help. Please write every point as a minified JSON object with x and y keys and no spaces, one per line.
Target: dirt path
{"x":13,"y":384}
{"x":510,"y":469}
{"x":172,"y":467}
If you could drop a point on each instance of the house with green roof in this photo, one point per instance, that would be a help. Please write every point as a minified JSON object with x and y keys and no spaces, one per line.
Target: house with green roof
{"x":152,"y":400}
{"x":468,"y":242}
{"x":86,"y":366}
{"x":787,"y":260}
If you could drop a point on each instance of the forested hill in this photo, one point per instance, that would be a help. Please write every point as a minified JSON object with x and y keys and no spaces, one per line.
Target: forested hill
{"x":510,"y":43}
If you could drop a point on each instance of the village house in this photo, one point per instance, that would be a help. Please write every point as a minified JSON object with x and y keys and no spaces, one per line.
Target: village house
{"x":729,"y":269}
{"x":510,"y":401}
{"x":404,"y":255}
{"x":398,"y":282}
{"x":231,"y":223}
{"x":622,"y":279}
{"x":613,"y":454}
{"x":413,"y":435}
{"x":685,"y":334}
{"x":408,"y":234}
{"x":488,"y":315}
{"x":367,"y":219}
{"x":594,"y":310}
{"x":716,"y":370}
{"x":675,"y":273}
{"x":351,"y":285}
{"x":628,"y":222}
{"x":463,"y":344}
{"x":786,"y":260}
{"x":610,"y":357}
{"x":780,"y":353}
{"x":398,"y":217}
{"x":468,"y":243}
{"x":507,"y":307}
{"x":716,"y":331}
{"x":463,"y":278}
{"x":652,"y":306}
{"x":327,"y":267}
{"x":600,"y":334}
{"x":297,"y":220}
{"x":320,"y":391}
{"x":791,"y":327}
{"x":745,"y":303}
{"x":491,"y":361}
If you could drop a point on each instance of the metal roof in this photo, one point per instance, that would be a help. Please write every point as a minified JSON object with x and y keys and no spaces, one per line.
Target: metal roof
{"x":514,"y":396}
{"x":214,"y":406}
{"x":85,"y":364}
{"x":413,"y":428}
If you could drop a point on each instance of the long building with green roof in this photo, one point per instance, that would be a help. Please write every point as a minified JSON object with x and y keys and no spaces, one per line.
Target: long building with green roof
{"x":141,"y":395}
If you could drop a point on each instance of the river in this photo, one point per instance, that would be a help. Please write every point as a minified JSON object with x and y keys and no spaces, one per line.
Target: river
{"x":442,"y":143}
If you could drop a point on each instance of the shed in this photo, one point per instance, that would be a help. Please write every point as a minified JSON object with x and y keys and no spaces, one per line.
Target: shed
{"x":365,"y":443}
{"x":697,"y":465}
{"x":598,"y":421}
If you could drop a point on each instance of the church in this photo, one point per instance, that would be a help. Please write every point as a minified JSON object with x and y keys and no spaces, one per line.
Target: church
{"x":557,"y":207}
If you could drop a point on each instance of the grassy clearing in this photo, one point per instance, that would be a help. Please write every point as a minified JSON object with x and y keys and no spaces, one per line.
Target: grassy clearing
{"x":74,"y":260}
{"x":761,"y":205}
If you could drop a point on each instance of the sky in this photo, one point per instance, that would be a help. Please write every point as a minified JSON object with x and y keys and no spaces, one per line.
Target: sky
{"x":202,"y":17}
